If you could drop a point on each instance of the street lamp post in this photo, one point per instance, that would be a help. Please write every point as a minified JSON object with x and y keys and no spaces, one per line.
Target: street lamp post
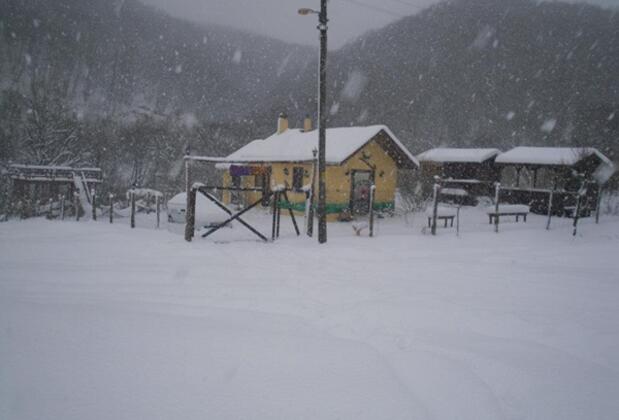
{"x":322,"y":118}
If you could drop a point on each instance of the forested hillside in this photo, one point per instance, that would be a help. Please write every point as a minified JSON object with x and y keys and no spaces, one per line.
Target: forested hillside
{"x":126,"y":87}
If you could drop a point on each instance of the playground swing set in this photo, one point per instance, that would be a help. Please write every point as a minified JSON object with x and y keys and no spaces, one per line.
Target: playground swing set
{"x":275,"y":194}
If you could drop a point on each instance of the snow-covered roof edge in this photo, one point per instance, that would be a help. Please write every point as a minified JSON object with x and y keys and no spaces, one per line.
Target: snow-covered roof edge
{"x":377,"y":129}
{"x":559,"y":156}
{"x":398,"y":143}
{"x":463,"y":155}
{"x":51,"y":167}
{"x":549,"y":155}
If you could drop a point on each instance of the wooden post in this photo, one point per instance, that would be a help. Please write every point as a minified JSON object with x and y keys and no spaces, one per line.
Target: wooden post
{"x":111,"y":197}
{"x":291,"y":213}
{"x":372,"y":193}
{"x":576,"y":214}
{"x":598,"y":205}
{"x":158,"y":205}
{"x":37,"y":208}
{"x":61,"y":197}
{"x":132,"y":199}
{"x":458,"y":221}
{"x":436,"y":191}
{"x":307,"y":213}
{"x":76,"y":205}
{"x":49,"y":210}
{"x":93,"y":194}
{"x":581,"y":192}
{"x":497,"y":192}
{"x":274,"y":210}
{"x":190,"y":215}
{"x":549,"y":209}
{"x":279,"y":216}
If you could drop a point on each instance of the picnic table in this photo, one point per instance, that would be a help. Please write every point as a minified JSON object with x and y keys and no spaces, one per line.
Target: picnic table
{"x":508,"y":210}
{"x":447,"y":214}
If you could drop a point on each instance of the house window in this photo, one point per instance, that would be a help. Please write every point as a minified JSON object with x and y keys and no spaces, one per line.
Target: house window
{"x":297,"y":178}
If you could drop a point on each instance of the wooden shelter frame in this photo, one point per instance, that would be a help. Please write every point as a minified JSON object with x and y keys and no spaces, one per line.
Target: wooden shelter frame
{"x":193,"y":189}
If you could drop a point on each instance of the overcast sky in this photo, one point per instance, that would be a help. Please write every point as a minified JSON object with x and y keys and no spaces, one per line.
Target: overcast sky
{"x":279,"y":18}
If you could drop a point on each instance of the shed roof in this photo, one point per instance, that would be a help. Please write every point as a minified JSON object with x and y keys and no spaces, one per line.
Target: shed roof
{"x":463,"y":155}
{"x":567,"y":156}
{"x":294,"y":145}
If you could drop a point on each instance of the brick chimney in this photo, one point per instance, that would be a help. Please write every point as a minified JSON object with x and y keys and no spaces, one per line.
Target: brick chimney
{"x":307,"y":124}
{"x":282,"y":123}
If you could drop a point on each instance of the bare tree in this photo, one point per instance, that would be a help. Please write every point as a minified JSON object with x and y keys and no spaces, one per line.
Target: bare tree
{"x":50,"y":132}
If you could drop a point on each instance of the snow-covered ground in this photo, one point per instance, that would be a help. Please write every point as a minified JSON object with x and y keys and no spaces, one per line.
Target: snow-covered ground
{"x":99,"y":321}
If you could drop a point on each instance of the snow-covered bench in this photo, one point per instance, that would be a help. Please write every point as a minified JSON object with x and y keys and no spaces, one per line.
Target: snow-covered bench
{"x":442,"y":213}
{"x":454,"y":191}
{"x":508,"y":210}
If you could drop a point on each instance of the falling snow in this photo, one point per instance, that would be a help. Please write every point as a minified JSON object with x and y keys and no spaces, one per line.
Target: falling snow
{"x":334,"y":108}
{"x":548,"y":125}
{"x":237,"y":56}
{"x":483,"y":37}
{"x":353,"y":88}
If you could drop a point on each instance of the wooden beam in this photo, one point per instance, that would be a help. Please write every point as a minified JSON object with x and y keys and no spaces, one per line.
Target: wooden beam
{"x":236,"y":216}
{"x":292,"y":217}
{"x":227,"y":210}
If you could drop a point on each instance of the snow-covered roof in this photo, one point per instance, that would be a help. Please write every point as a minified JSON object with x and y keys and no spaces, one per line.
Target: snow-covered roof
{"x":445,"y":154}
{"x":549,"y":155}
{"x":52,"y":173}
{"x":294,"y":145}
{"x":559,"y":156}
{"x":51,"y":167}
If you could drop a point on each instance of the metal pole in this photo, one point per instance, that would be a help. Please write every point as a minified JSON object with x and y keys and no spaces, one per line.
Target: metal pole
{"x":132,"y":198}
{"x":322,"y":124}
{"x":372,"y":193}
{"x":576,"y":213}
{"x":581,"y":192}
{"x":158,"y":204}
{"x":111,"y":196}
{"x":435,"y":193}
{"x":598,"y":205}
{"x":497,"y":192}
{"x":549,"y":209}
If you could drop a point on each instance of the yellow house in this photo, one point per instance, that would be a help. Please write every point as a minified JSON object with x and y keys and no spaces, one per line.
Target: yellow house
{"x":356,"y":157}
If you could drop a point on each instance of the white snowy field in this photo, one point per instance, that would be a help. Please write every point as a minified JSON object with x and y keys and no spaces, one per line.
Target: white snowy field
{"x":98,"y":321}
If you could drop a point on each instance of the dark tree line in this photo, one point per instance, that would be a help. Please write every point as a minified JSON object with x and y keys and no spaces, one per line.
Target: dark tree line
{"x":126,"y":87}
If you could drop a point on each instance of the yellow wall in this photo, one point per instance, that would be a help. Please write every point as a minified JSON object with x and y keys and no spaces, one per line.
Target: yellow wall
{"x":338,"y":179}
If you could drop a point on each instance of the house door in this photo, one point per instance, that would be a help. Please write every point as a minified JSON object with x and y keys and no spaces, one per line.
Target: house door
{"x":360,"y":194}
